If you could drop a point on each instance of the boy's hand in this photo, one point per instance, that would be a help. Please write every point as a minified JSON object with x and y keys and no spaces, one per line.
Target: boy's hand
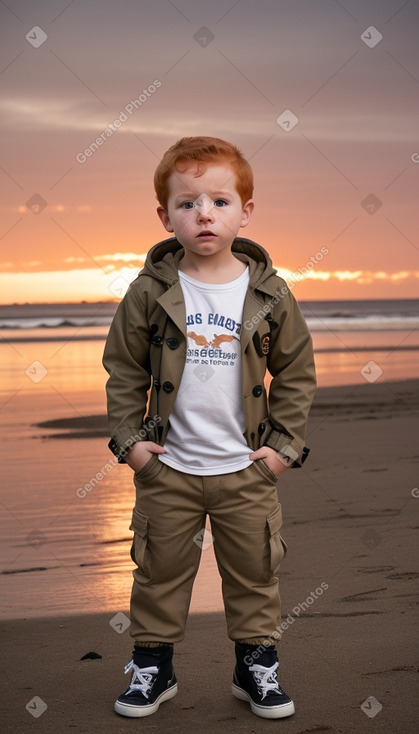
{"x":270,"y":457}
{"x":141,"y":452}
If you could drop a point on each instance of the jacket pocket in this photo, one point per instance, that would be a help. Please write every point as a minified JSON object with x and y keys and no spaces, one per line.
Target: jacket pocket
{"x":278,"y":547}
{"x":139,"y":525}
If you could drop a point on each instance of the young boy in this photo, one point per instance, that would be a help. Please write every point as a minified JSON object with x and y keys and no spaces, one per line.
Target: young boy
{"x":199,"y":326}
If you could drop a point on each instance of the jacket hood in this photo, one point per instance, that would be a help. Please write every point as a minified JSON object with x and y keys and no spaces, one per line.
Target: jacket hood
{"x":163,"y":259}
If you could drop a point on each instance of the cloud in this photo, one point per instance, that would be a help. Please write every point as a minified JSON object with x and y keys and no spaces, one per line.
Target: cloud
{"x":122,"y":257}
{"x":46,"y":114}
{"x":358,"y":276}
{"x":93,"y":284}
{"x":127,"y":257}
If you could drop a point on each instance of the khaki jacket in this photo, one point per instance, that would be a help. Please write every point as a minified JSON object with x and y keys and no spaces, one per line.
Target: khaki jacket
{"x":146,"y":348}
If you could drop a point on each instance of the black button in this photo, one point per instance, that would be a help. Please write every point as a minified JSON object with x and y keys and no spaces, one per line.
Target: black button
{"x":172,"y":342}
{"x":261,"y":428}
{"x":257,"y":391}
{"x":153,"y":329}
{"x":270,"y":321}
{"x":168,"y":386}
{"x":157,"y":340}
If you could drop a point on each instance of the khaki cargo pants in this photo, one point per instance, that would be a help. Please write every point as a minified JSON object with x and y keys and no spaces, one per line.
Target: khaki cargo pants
{"x":170,"y":511}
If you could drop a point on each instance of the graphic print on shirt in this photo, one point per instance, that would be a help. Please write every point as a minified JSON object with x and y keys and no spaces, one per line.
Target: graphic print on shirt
{"x":201,"y":340}
{"x":209,"y":349}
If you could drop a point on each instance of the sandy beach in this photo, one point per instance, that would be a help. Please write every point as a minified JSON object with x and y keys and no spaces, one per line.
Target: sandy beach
{"x":347,"y":656}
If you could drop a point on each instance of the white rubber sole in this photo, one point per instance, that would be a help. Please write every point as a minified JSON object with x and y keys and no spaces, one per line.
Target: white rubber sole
{"x":271,"y":712}
{"x":135,"y":712}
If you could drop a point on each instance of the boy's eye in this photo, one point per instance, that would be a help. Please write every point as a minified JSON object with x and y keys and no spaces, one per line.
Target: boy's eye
{"x":188,"y":205}
{"x":220,"y":202}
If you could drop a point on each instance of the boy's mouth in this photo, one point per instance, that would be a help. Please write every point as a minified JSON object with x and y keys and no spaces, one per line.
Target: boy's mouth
{"x":206,"y":233}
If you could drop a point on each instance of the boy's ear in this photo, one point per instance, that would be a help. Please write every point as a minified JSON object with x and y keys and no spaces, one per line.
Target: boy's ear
{"x":164,"y":218}
{"x":247,"y":213}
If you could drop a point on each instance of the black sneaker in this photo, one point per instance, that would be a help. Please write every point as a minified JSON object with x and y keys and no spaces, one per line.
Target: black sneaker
{"x":255,"y":681}
{"x":153,"y":681}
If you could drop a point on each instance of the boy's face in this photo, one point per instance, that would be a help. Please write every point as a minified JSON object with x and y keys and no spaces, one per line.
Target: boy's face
{"x":205,"y":212}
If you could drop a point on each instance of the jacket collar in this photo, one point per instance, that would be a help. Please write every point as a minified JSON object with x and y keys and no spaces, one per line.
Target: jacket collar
{"x":163,"y":261}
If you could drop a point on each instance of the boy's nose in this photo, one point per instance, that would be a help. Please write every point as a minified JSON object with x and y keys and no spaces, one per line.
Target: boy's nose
{"x":206,"y":216}
{"x":204,"y":206}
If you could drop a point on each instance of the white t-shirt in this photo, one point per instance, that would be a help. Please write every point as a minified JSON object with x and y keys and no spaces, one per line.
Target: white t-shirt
{"x":207,"y":422}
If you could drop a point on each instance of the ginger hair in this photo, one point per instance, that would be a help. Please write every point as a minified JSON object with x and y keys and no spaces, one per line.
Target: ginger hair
{"x":202,"y":150}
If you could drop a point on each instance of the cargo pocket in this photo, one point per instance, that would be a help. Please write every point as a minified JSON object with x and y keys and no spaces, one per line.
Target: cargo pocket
{"x":277,"y":544}
{"x":139,"y":525}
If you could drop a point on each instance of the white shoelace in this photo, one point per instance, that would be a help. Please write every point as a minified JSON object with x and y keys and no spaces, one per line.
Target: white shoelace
{"x":265,"y":678}
{"x":142,"y":678}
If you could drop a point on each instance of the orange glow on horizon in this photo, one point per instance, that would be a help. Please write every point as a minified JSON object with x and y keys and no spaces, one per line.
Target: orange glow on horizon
{"x":110,"y":282}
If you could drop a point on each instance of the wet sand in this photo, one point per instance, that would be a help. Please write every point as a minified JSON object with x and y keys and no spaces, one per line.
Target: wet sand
{"x":350,"y":521}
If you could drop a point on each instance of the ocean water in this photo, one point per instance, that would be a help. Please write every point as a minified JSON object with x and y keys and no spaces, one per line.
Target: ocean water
{"x":67,"y":340}
{"x":379,"y":315}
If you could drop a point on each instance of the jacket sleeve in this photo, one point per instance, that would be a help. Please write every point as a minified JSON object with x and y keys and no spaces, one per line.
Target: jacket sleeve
{"x":126,"y":359}
{"x":291,"y":364}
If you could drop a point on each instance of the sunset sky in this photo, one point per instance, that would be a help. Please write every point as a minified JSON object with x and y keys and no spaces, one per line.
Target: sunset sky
{"x":320,"y":95}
